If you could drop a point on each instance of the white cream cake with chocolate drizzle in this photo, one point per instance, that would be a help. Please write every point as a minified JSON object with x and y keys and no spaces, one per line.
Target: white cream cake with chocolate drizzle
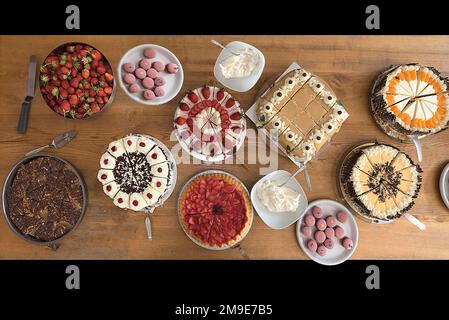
{"x":382,"y":181}
{"x":135,"y":172}
{"x":301,"y":112}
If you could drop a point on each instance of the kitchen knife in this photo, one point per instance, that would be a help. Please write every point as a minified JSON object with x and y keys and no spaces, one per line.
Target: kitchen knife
{"x":23,"y":119}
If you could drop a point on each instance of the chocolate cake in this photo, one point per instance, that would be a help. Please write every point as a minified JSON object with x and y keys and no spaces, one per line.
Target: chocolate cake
{"x":45,"y":200}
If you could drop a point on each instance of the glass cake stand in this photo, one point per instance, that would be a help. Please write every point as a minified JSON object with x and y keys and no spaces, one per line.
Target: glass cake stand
{"x":236,"y":245}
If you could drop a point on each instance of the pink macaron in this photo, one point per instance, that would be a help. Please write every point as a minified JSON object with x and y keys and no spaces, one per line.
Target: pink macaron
{"x":159,"y":91}
{"x":321,"y":224}
{"x":329,"y":243}
{"x":159,"y":81}
{"x":339,"y":232}
{"x":319,"y":236}
{"x":331,"y":221}
{"x":309,"y":220}
{"x":134,"y":88}
{"x":152,"y":73}
{"x":148,"y":83}
{"x":317,"y":212}
{"x":159,"y":66}
{"x":347,"y":243}
{"x":150,"y":53}
{"x":329,"y":232}
{"x":149,"y":95}
{"x":342,"y":216}
{"x":140,"y":73}
{"x":145,"y":64}
{"x":307,"y":231}
{"x":321,"y":250}
{"x":129,"y":78}
{"x":312,"y":245}
{"x":129,"y":67}
{"x":172,"y":67}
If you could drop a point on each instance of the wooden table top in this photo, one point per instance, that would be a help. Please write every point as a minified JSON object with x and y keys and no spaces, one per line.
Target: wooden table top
{"x":348,"y":63}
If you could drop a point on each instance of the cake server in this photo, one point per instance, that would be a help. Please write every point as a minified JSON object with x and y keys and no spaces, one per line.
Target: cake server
{"x":58,"y":142}
{"x":421,"y":226}
{"x":23,"y":119}
{"x":417,"y":143}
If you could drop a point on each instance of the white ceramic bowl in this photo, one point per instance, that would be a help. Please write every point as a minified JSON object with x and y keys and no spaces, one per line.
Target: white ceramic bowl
{"x":173,"y":81}
{"x":239,"y":84}
{"x":444,"y":185}
{"x":279,"y":220}
{"x":338,"y":254}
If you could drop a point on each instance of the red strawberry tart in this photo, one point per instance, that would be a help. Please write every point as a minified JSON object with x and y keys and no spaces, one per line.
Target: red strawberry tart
{"x":135,"y":172}
{"x":215,"y":210}
{"x":209,"y":123}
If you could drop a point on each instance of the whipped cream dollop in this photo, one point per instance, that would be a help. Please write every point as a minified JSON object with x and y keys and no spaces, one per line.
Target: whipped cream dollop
{"x":278,"y":199}
{"x":240,"y":66}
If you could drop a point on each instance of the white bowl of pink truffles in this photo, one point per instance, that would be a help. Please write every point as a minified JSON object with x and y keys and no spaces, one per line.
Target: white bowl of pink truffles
{"x":150,"y":74}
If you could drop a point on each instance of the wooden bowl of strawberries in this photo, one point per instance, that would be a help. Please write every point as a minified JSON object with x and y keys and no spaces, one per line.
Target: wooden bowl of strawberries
{"x":76,"y":81}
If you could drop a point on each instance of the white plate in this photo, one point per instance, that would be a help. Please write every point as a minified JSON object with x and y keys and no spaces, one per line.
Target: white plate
{"x":239,"y":84}
{"x":279,"y":220}
{"x":338,"y":254}
{"x":444,"y":185}
{"x":173,"y":81}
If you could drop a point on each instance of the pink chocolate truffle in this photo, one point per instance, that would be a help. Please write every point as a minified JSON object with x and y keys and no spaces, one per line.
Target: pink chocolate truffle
{"x":129,"y":67}
{"x":329,"y":232}
{"x":319,"y":236}
{"x":342,"y":216}
{"x":145,"y":64}
{"x":321,"y":250}
{"x":149,"y":53}
{"x":148,"y":83}
{"x":321,"y":224}
{"x":307,"y":231}
{"x":347,"y":243}
{"x":339,"y":232}
{"x":152,"y":73}
{"x":331,"y":221}
{"x":149,"y":95}
{"x":159,"y":66}
{"x":129,"y":78}
{"x":159,"y":91}
{"x":172,"y":67}
{"x":309,"y":220}
{"x":329,"y":243}
{"x":317,"y":212}
{"x":159,"y":81}
{"x":134,"y":88}
{"x":140,"y":73}
{"x":312,"y":245}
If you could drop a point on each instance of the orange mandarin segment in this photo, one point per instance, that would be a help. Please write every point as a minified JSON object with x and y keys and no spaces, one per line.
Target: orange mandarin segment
{"x":405,"y":118}
{"x":390,"y":100}
{"x":395,"y":110}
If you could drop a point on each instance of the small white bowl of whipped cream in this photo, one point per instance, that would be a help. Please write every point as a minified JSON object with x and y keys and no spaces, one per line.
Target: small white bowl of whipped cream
{"x":279,"y":205}
{"x":240,"y":67}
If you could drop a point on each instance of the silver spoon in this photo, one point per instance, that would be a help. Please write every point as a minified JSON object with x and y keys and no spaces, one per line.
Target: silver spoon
{"x":58,"y":142}
{"x":289,"y":178}
{"x":225,"y":48}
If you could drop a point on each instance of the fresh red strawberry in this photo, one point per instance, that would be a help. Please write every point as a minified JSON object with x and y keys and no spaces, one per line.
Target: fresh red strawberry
{"x":93,"y":74}
{"x":94,"y":108}
{"x":100,"y":92}
{"x":85,"y":73}
{"x":193,"y":97}
{"x":101,"y":70}
{"x":108,"y":77}
{"x":92,"y":93}
{"x":78,"y":91}
{"x":73,"y":99}
{"x":78,"y":48}
{"x":65,"y":84}
{"x":105,"y":99}
{"x":68,"y":65}
{"x":184,"y":106}
{"x":206,"y":92}
{"x":70,"y":48}
{"x":94,"y":64}
{"x":96,"y":55}
{"x":236,"y":116}
{"x":63,"y":93}
{"x":180,"y":121}
{"x":230,"y":103}
{"x":71,"y":90}
{"x":83,"y":53}
{"x":108,"y":90}
{"x":99,"y":100}
{"x":82,"y":110}
{"x":45,"y":69}
{"x":86,"y":85}
{"x":56,"y":83}
{"x":73,"y":72}
{"x":94,"y":81}
{"x":64,"y":70}
{"x":220,"y":95}
{"x":65,"y":105}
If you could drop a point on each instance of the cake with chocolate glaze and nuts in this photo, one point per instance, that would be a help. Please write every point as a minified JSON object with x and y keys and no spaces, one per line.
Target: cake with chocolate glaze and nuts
{"x":301,"y":112}
{"x":382,"y":181}
{"x":135,"y":172}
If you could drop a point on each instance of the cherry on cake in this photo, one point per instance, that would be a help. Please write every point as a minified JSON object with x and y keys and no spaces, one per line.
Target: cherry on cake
{"x":411,"y":100}
{"x":135,"y":172}
{"x":209,"y":121}
{"x":215,"y":210}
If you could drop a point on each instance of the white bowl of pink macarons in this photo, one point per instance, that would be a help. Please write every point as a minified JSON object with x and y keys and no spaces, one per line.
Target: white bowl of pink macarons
{"x":150,"y":74}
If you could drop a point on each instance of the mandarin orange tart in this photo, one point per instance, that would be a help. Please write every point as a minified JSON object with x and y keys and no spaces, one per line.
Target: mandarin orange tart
{"x":301,"y":112}
{"x":411,"y":100}
{"x":215,"y":210}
